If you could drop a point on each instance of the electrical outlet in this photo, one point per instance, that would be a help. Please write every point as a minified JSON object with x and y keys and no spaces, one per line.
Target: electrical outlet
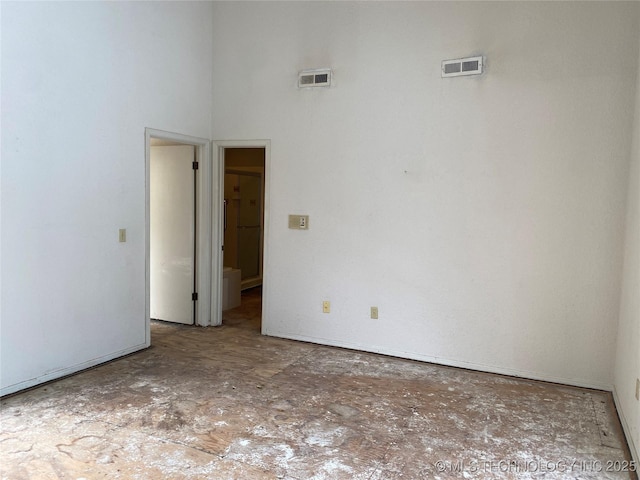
{"x":374,"y":313}
{"x":326,"y":306}
{"x":122,"y":235}
{"x":638,"y":389}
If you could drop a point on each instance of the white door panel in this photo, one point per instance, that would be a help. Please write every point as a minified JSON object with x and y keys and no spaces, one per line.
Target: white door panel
{"x":172,"y":219}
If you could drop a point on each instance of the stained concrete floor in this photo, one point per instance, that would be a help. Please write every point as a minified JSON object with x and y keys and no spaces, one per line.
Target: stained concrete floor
{"x":227,"y":403}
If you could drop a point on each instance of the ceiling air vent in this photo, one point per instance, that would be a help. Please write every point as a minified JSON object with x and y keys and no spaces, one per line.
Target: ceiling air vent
{"x":462,"y":66}
{"x":314,"y":78}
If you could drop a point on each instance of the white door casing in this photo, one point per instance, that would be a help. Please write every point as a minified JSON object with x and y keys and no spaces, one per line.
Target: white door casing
{"x":209,"y":300}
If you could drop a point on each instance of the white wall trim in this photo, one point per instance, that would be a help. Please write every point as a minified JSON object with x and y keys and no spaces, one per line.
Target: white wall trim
{"x":205,"y":283}
{"x":63,"y":372}
{"x":217,"y":202}
{"x":524,"y":374}
{"x":633,"y":448}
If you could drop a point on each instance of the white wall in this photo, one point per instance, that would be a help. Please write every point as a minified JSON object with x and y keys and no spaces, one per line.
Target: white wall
{"x":627,"y":367}
{"x":80,"y":82}
{"x":483,"y":216}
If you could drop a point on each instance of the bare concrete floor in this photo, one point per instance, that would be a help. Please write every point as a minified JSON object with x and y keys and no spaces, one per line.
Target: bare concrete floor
{"x":227,"y":403}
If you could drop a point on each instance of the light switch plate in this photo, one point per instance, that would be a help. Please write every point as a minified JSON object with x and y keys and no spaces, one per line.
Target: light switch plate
{"x":299,"y":222}
{"x":122,"y":235}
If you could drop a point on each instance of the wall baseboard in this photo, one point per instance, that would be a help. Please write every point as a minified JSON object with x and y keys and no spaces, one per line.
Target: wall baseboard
{"x":633,"y":448}
{"x":524,"y":374}
{"x":57,"y":374}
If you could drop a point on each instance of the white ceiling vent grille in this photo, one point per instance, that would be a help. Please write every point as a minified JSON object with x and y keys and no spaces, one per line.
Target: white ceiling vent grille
{"x":314,"y":78}
{"x":462,"y":66}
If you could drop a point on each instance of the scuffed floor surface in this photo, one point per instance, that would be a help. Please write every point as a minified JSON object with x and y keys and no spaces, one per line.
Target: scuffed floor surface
{"x":227,"y":403}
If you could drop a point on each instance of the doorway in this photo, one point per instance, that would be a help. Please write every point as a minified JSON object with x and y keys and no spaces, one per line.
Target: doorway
{"x":180,"y":211}
{"x":244,"y":203}
{"x":244,"y":213}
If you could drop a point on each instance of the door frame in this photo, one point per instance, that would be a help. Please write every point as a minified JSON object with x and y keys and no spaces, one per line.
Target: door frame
{"x":218,"y":208}
{"x":205,"y":283}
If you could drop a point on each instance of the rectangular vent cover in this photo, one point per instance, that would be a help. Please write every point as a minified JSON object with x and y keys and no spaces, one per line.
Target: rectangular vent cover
{"x":314,"y":78}
{"x":462,"y":66}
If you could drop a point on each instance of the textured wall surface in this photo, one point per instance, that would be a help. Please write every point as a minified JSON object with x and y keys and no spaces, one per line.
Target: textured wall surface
{"x":483,"y":216}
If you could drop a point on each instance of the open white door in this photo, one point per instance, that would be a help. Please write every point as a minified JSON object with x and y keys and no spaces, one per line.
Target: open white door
{"x":172,"y":233}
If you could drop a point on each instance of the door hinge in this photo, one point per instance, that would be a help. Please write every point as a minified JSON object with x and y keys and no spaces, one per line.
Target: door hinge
{"x":223,"y":248}
{"x":194,"y":296}
{"x":195,"y":165}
